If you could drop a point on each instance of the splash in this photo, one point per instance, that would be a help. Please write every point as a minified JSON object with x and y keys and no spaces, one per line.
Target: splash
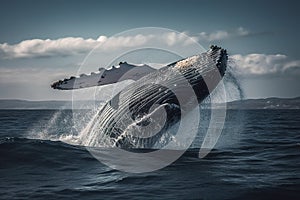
{"x":60,"y":127}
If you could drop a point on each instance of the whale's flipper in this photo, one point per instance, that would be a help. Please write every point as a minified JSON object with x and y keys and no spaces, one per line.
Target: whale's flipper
{"x":123,"y":71}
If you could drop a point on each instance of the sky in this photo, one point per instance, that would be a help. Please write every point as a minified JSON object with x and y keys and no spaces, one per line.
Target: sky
{"x":43,"y":41}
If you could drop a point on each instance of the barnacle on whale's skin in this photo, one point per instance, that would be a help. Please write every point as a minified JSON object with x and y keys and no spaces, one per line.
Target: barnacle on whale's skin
{"x":152,"y":87}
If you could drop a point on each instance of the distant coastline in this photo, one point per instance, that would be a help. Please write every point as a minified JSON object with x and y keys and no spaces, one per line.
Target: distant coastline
{"x":266,"y":103}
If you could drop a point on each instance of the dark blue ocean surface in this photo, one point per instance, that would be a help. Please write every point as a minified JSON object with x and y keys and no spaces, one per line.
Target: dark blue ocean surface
{"x":257,"y":157}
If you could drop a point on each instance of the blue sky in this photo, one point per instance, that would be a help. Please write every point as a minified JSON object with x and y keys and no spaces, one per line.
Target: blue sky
{"x":261,"y":35}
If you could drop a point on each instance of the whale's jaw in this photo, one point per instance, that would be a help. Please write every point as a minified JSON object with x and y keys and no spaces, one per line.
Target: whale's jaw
{"x":123,"y":120}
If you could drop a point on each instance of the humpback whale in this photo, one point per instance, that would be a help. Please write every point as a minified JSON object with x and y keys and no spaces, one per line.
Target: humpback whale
{"x":140,"y":115}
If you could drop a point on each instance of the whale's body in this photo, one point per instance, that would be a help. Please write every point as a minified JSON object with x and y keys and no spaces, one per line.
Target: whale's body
{"x":140,"y":114}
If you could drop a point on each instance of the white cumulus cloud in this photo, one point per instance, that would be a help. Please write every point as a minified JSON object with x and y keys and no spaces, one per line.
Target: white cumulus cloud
{"x":263,"y":64}
{"x":64,"y":46}
{"x":77,"y":45}
{"x":43,"y":48}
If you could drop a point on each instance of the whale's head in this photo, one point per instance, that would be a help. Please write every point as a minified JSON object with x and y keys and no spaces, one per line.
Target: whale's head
{"x":214,"y":57}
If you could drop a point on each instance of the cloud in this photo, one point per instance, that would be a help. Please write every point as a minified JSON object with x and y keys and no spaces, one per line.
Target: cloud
{"x":64,"y":46}
{"x":76,"y":45}
{"x":69,"y":46}
{"x":222,"y":34}
{"x":263,"y":64}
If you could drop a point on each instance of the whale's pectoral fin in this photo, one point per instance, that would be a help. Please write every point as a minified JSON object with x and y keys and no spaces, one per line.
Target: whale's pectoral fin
{"x":123,"y":71}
